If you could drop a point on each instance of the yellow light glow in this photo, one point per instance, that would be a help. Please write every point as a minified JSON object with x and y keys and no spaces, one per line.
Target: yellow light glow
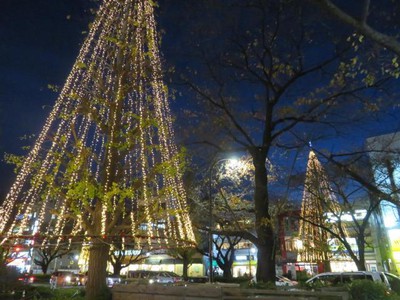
{"x":317,"y":200}
{"x":96,"y":158}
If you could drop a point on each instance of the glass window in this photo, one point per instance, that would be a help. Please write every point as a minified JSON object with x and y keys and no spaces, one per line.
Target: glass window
{"x":347,"y":278}
{"x":328,"y":280}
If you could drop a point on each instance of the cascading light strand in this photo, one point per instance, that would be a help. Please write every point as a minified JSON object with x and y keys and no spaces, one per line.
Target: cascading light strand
{"x":106,"y":154}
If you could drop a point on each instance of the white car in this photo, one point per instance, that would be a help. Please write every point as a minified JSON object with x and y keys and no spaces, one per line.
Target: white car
{"x":331,"y":279}
{"x":153,"y":277}
{"x":113,"y":280}
{"x":283,"y":281}
{"x":165,"y":277}
{"x":280,"y":281}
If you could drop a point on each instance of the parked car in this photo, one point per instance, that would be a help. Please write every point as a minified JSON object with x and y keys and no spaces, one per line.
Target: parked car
{"x":333,"y":279}
{"x":140,"y":276}
{"x":111,"y":280}
{"x":26,"y":278}
{"x":394,"y":282}
{"x":151,"y":277}
{"x":280,"y":281}
{"x":82,"y":278}
{"x":283,"y":281}
{"x":62,"y":278}
{"x":165,"y":277}
{"x":198,"y":279}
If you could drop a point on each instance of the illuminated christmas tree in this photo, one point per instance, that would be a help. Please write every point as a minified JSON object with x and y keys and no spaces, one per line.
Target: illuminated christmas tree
{"x":318,"y":202}
{"x":105,"y":165}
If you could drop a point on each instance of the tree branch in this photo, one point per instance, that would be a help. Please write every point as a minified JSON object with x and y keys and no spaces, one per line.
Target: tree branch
{"x":380,"y":38}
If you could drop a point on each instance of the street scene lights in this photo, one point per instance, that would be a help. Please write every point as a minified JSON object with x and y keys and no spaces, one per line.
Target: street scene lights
{"x":231,"y":163}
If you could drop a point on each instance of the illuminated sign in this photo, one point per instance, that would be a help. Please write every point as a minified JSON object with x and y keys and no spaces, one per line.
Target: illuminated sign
{"x":394,"y":237}
{"x":396,"y":255}
{"x":241,"y":257}
{"x":128,"y":252}
{"x":358,"y":214}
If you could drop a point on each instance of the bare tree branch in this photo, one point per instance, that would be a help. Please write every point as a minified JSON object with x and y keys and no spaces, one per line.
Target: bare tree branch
{"x":361,"y":26}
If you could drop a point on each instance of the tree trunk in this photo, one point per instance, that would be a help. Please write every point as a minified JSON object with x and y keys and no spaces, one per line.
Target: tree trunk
{"x":228,"y":270}
{"x":117,"y":267}
{"x":327,"y":265}
{"x":264,"y":223}
{"x":44,"y":268}
{"x":360,"y":265}
{"x":266,"y":258}
{"x":229,"y":263}
{"x":185,"y":263}
{"x":96,"y":287}
{"x":360,"y":262}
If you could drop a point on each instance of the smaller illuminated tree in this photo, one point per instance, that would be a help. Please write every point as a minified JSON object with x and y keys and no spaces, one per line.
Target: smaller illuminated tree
{"x":318,"y":200}
{"x":351,"y":180}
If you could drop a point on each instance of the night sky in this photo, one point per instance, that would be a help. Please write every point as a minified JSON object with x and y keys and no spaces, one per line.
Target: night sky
{"x":39,"y":41}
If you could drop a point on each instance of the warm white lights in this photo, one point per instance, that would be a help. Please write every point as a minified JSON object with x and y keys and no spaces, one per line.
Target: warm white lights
{"x":318,"y":200}
{"x":105,"y":162}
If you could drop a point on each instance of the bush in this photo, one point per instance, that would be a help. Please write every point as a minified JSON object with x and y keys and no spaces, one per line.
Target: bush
{"x":43,"y":292}
{"x":231,"y":280}
{"x":264,"y":285}
{"x":10,"y":287}
{"x":302,"y":276}
{"x":42,"y":278}
{"x":64,"y":294}
{"x":367,"y":290}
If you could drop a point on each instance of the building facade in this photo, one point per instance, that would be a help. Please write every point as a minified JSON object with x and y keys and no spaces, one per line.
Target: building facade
{"x":384,"y":152}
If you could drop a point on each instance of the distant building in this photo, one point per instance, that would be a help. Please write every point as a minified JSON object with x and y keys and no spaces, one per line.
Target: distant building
{"x":384,"y":153}
{"x":288,"y":228}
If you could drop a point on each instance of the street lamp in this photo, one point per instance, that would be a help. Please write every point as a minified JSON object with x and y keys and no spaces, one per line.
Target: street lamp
{"x":233,"y":162}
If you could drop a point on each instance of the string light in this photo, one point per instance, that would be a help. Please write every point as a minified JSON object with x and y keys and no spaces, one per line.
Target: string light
{"x":318,"y":199}
{"x":103,"y":153}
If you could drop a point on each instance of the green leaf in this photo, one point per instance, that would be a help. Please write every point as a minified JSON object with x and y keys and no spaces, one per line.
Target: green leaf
{"x":81,"y":65}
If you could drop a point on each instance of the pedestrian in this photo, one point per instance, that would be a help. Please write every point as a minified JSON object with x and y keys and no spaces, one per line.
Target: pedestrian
{"x":53,"y":282}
